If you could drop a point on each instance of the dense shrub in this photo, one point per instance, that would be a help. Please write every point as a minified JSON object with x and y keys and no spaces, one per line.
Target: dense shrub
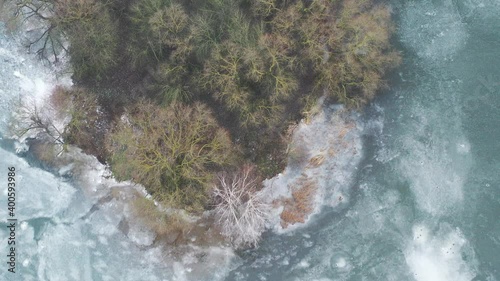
{"x":94,"y":55}
{"x":298,"y":208}
{"x":172,"y":151}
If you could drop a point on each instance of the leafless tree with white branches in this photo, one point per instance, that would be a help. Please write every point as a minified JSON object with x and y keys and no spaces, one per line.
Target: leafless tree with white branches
{"x":240,"y":208}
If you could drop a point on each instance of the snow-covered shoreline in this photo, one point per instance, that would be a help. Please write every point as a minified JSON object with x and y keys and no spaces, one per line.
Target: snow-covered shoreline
{"x":330,"y":148}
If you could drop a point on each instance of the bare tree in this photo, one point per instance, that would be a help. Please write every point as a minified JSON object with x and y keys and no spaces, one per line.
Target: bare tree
{"x":47,"y":43}
{"x":37,"y":121}
{"x":240,"y":208}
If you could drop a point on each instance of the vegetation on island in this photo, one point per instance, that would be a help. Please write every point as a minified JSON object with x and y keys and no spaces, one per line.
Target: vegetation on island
{"x":173,"y":151}
{"x":172,"y":93}
{"x":241,"y":210}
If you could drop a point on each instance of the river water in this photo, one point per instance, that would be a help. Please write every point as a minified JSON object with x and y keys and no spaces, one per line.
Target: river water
{"x":424,"y":203}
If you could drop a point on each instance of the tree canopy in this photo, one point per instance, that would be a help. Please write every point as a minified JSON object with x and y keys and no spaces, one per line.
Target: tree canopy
{"x":173,"y":151}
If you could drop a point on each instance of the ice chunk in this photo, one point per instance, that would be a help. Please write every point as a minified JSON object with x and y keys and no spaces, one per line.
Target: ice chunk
{"x":63,"y":255}
{"x":439,"y":257}
{"x":38,"y":193}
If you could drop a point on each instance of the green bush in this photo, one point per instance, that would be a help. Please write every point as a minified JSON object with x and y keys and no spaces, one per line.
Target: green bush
{"x":94,"y":45}
{"x":172,"y":151}
{"x":170,"y":83}
{"x":158,"y":28}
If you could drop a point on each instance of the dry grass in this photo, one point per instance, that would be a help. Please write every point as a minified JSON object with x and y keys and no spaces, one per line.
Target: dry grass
{"x":300,"y":206}
{"x":161,"y":223}
{"x":46,"y":152}
{"x":60,"y":98}
{"x":316,"y":161}
{"x":346,"y":129}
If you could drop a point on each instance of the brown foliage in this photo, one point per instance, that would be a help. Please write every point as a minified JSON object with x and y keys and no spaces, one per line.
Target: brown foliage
{"x":60,"y":99}
{"x":300,"y":206}
{"x":316,"y":160}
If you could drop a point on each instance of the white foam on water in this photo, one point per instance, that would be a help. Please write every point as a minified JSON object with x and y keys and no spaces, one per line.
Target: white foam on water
{"x":463,"y":146}
{"x":204,"y":263}
{"x":439,"y":256}
{"x":437,"y":187}
{"x":363,"y":241}
{"x":484,"y":10}
{"x":303,"y":264}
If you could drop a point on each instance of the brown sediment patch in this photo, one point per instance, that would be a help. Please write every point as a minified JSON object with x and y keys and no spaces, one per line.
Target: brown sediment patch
{"x":316,"y":160}
{"x":204,"y":232}
{"x":172,"y":228}
{"x":301,"y":204}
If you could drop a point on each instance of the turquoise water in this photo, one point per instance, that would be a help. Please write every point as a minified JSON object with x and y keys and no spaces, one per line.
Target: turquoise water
{"x":427,"y":195}
{"x":424,"y":205}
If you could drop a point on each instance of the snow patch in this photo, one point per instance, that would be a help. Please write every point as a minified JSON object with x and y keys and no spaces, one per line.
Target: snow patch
{"x":323,"y":154}
{"x":441,"y":256}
